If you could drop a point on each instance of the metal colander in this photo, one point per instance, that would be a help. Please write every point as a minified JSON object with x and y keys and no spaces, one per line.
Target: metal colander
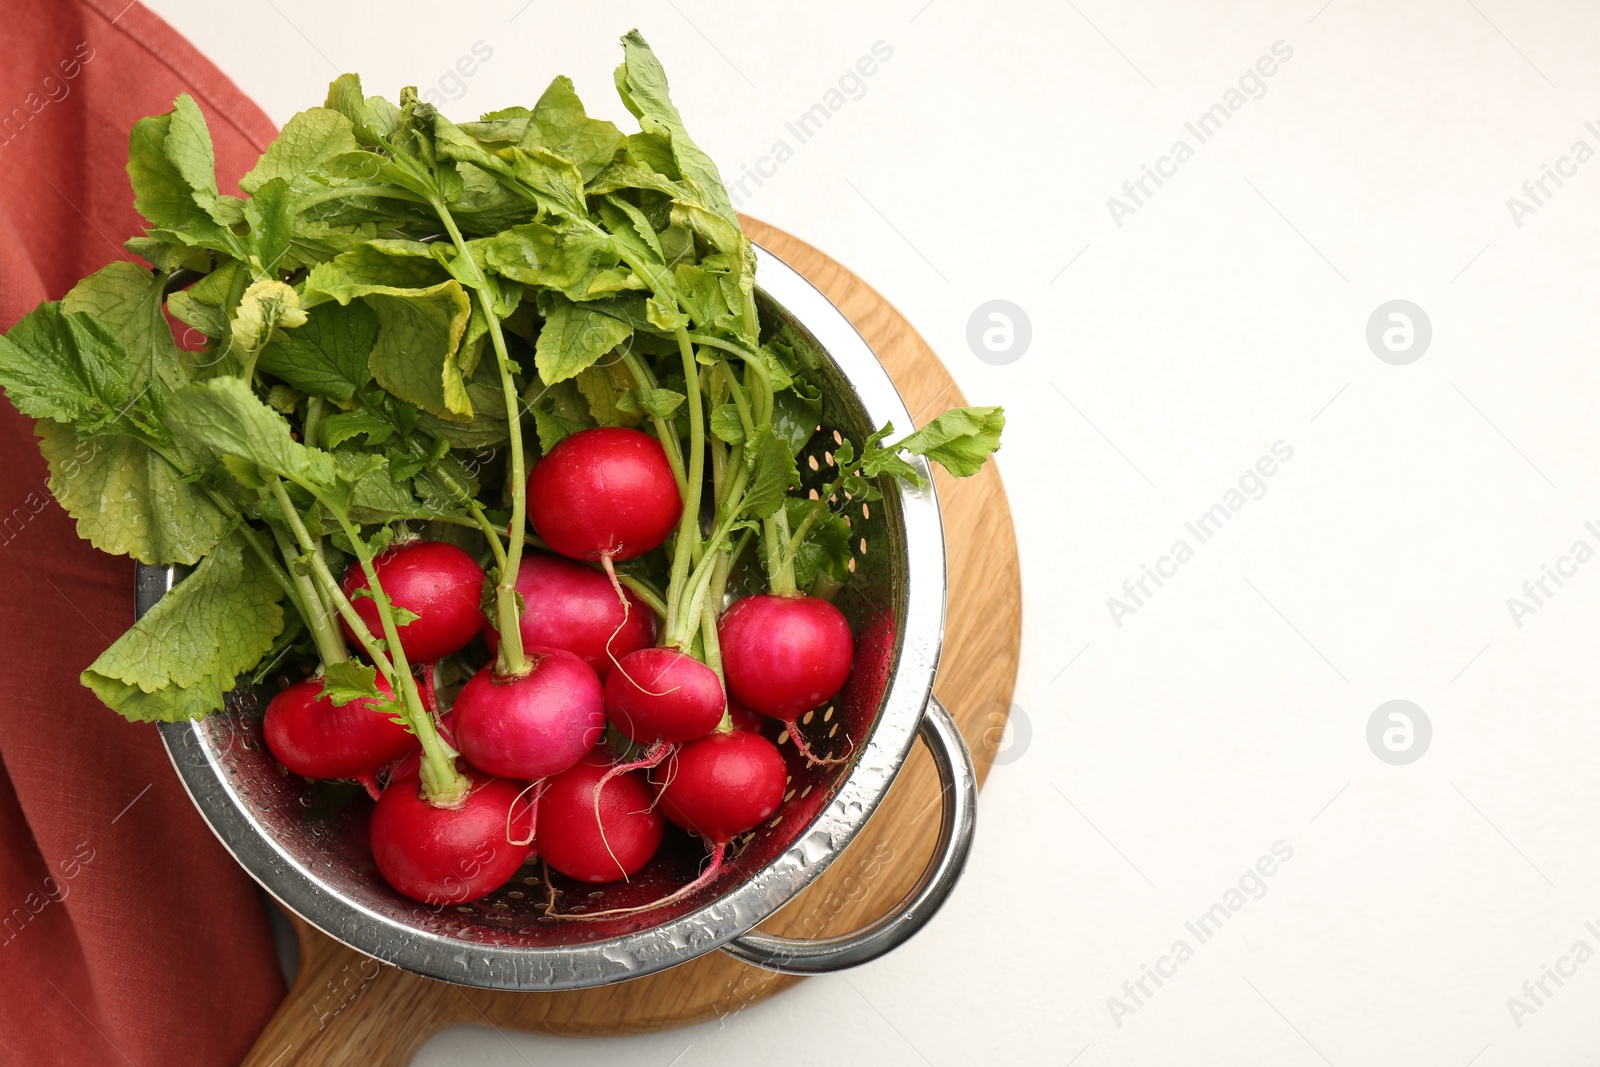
{"x":306,"y":843}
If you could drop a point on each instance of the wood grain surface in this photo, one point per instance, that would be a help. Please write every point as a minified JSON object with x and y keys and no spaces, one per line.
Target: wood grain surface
{"x":347,"y":1009}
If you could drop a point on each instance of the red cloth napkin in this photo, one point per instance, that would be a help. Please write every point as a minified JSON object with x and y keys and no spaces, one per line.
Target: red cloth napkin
{"x":127,"y":934}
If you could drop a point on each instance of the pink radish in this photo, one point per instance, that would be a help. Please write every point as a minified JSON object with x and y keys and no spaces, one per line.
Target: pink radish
{"x":722,"y":785}
{"x":595,"y":826}
{"x":451,"y":855}
{"x":661,"y":694}
{"x":784,"y":656}
{"x":437,"y":582}
{"x":315,"y":738}
{"x":530,"y":725}
{"x":604,"y":494}
{"x":743,"y":718}
{"x":572,"y":607}
{"x":718,"y":787}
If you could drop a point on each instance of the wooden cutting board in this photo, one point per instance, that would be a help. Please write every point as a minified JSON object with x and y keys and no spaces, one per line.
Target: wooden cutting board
{"x":347,"y":1009}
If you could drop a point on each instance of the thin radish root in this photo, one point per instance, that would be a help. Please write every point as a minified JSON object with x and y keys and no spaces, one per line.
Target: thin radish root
{"x":370,"y":783}
{"x":656,"y":753}
{"x":537,"y":788}
{"x":549,"y":883}
{"x":718,"y":854}
{"x":611,"y":573}
{"x":812,"y":759}
{"x":616,"y":664}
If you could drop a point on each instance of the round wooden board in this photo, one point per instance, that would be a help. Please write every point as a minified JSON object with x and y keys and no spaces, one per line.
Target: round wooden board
{"x":345,"y":1008}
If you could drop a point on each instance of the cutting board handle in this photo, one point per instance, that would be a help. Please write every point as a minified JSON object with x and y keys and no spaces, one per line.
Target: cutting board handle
{"x":327,"y":1021}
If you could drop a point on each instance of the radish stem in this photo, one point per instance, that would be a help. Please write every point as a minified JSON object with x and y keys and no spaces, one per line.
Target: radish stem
{"x":331,"y":593}
{"x":511,"y":660}
{"x":314,"y":610}
{"x":442,"y":784}
{"x":314,"y":406}
{"x":643,"y":379}
{"x":679,"y":629}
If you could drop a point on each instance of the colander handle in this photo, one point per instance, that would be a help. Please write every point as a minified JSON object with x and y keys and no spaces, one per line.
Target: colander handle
{"x":959,"y":782}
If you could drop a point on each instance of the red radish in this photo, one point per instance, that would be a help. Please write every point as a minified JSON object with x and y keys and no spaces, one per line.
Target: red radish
{"x":451,"y":855}
{"x":598,"y":827}
{"x":314,"y":737}
{"x":604,"y":494}
{"x":785,"y":655}
{"x":530,"y":725}
{"x":572,"y":607}
{"x":722,"y":785}
{"x":661,"y":694}
{"x":437,"y":582}
{"x":718,"y":786}
{"x":743,"y":718}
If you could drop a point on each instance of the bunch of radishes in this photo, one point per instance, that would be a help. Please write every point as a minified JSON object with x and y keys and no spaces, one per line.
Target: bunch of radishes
{"x":532,"y":774}
{"x":398,"y":310}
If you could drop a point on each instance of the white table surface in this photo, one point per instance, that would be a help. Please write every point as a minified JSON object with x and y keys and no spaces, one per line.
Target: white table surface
{"x":1228,"y":312}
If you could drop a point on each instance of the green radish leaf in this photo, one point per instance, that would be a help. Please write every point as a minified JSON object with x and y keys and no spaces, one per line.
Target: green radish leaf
{"x":574,"y":338}
{"x":284,"y":398}
{"x":172,"y":167}
{"x":661,"y":403}
{"x":700,"y":293}
{"x":127,"y":499}
{"x":960,"y":440}
{"x":642,"y":85}
{"x":129,"y":300}
{"x":225,"y":415}
{"x":419,"y":337}
{"x":652,"y":152}
{"x":625,"y":174}
{"x":327,"y":355}
{"x":420,"y":330}
{"x":772,"y":473}
{"x":826,"y":547}
{"x":372,"y":117}
{"x":877,"y":461}
{"x":168,"y":256}
{"x":244,"y":472}
{"x":215,"y":623}
{"x":486,"y":428}
{"x":503,"y":127}
{"x":560,"y":124}
{"x":638,"y":226}
{"x":553,"y":428}
{"x":537,"y":173}
{"x":376,"y":497}
{"x":433,"y":483}
{"x":350,"y":681}
{"x":70,"y":368}
{"x":726,"y":425}
{"x":305,"y":146}
{"x":335,"y":430}
{"x":375,"y":267}
{"x":204,"y":304}
{"x":271,"y":215}
{"x":170,"y":704}
{"x":606,"y":387}
{"x":796,"y":417}
{"x":664,"y":318}
{"x":557,"y":255}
